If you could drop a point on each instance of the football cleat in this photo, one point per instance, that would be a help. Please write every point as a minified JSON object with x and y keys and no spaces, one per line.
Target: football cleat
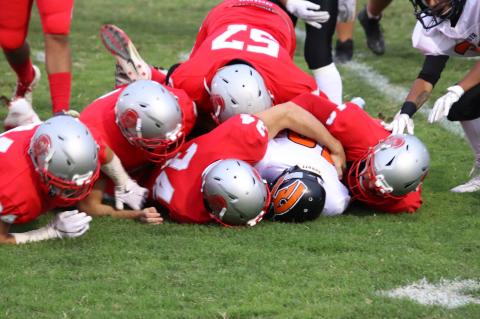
{"x":472,"y":185}
{"x":20,"y":112}
{"x":132,"y":66}
{"x":25,"y":91}
{"x":373,"y":32}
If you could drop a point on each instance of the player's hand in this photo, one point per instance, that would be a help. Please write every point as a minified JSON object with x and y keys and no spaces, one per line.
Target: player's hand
{"x":70,"y":224}
{"x":150,"y":215}
{"x":400,"y":122}
{"x":308,"y":11}
{"x":443,"y":104}
{"x":339,"y":160}
{"x":131,"y":194}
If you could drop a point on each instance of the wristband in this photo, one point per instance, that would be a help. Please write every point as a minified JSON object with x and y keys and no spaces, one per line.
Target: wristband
{"x":408,"y":108}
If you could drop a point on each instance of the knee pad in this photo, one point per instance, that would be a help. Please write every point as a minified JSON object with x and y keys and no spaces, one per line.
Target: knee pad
{"x":11,"y":39}
{"x":57,"y":23}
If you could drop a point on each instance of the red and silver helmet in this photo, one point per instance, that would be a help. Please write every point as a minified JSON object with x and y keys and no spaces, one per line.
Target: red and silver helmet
{"x":65,"y":155}
{"x":237,"y":89}
{"x":394,"y":167}
{"x":235,"y":193}
{"x":432,"y":13}
{"x":150,"y":118}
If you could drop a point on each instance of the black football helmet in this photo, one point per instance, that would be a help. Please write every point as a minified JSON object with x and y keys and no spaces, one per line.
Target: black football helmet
{"x":297,"y":196}
{"x":431,"y":16}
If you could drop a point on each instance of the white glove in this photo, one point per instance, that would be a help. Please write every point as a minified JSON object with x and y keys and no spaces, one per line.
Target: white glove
{"x":131,"y":194}
{"x":70,"y":224}
{"x":443,"y":104}
{"x":308,"y":11}
{"x":399,"y":124}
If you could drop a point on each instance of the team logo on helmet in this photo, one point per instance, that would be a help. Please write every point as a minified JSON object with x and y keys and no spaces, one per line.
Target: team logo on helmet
{"x":216,"y":203}
{"x":41,"y":146}
{"x":129,"y":119}
{"x":285,"y":198}
{"x":394,"y":141}
{"x":218,"y":104}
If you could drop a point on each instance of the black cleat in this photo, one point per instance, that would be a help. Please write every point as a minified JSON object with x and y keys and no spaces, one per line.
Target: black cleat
{"x":373,"y":33}
{"x":343,"y":51}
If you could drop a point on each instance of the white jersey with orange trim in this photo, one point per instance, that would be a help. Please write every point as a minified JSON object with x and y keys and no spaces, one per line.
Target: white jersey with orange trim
{"x":289,"y":149}
{"x":462,"y":40}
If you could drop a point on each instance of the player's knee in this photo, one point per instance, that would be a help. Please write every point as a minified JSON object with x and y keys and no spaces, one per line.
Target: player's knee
{"x":336,"y":207}
{"x":11,"y":39}
{"x":57,"y":24}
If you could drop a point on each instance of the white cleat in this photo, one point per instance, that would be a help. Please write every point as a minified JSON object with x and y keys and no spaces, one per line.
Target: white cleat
{"x":131,"y":63}
{"x":26,"y":92}
{"x":20,"y":112}
{"x":472,"y":185}
{"x":359,"y":101}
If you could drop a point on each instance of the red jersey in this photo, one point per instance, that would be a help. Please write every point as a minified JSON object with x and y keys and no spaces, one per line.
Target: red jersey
{"x":178,"y":185}
{"x":358,"y":132}
{"x":22,"y":197}
{"x":256,"y":31}
{"x":100,"y":117}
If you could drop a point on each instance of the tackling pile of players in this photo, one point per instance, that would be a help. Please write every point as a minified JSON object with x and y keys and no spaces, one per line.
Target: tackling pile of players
{"x":265,"y":142}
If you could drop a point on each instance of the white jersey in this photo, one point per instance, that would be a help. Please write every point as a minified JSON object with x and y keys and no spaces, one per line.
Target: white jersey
{"x":287,"y":150}
{"x":463,"y":40}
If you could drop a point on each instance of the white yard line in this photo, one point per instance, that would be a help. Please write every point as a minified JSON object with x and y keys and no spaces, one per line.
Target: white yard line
{"x":393,"y":92}
{"x":446,"y":293}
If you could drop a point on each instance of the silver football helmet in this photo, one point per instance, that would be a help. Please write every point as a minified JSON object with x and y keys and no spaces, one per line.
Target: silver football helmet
{"x":235,"y":193}
{"x":394,"y":167}
{"x":150,"y":117}
{"x":236,"y":89}
{"x":65,"y":154}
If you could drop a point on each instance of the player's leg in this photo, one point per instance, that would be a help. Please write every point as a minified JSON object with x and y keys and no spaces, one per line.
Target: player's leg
{"x":369,"y":18}
{"x":56,"y":16}
{"x":318,"y":53}
{"x":344,"y":30}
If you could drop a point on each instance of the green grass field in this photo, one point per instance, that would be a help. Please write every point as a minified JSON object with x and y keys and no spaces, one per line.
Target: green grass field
{"x":329,"y":268}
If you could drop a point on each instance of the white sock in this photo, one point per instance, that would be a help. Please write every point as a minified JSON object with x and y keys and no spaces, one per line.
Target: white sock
{"x":329,"y":82}
{"x":472,"y":131}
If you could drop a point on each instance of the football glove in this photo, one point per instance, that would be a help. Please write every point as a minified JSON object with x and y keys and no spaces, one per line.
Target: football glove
{"x":443,"y":104}
{"x":70,"y":224}
{"x":400,"y":122}
{"x":308,"y":12}
{"x":131,"y":194}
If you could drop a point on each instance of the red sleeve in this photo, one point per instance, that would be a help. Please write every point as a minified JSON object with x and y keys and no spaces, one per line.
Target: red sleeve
{"x":407,"y":204}
{"x":350,"y":124}
{"x":189,"y":108}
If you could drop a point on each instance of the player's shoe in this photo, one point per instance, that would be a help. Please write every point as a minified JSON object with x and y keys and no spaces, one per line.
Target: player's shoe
{"x":20,"y":112}
{"x":472,"y":185}
{"x":375,"y":41}
{"x":343,"y":51}
{"x":358,"y":101}
{"x":132,"y":66}
{"x":25,"y":91}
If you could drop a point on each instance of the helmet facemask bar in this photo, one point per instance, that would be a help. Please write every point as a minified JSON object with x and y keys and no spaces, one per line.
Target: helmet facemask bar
{"x":364,"y":184}
{"x":431,"y":17}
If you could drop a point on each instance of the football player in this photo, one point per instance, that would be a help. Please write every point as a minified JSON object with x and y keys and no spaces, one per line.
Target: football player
{"x":211,"y":178}
{"x":255,"y":39}
{"x":446,"y":28}
{"x":56,"y":18}
{"x":54,"y":164}
{"x":143,"y":123}
{"x":291,"y":153}
{"x":320,"y":18}
{"x":385,"y":173}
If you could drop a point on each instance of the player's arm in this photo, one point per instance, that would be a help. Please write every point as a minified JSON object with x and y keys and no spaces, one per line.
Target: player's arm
{"x":291,"y":116}
{"x":419,"y":93}
{"x":94,"y":206}
{"x":127,"y":191}
{"x":5,"y":237}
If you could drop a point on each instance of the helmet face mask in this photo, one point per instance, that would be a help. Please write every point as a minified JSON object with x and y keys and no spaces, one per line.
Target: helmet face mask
{"x":65,"y":155}
{"x":236,"y":89}
{"x":298,"y":195}
{"x":150,"y":118}
{"x":391,"y":169}
{"x":431,"y":15}
{"x":234,"y":193}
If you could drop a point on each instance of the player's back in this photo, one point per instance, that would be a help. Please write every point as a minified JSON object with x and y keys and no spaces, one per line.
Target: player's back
{"x":21,"y":195}
{"x":289,"y":149}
